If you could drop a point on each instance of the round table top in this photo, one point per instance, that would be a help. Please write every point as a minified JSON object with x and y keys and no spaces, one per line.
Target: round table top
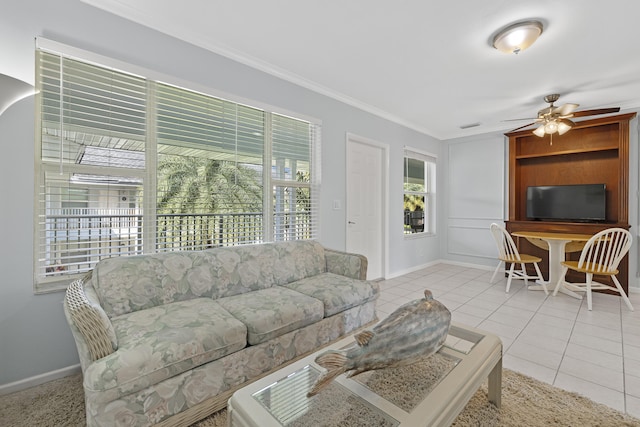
{"x":546,"y":235}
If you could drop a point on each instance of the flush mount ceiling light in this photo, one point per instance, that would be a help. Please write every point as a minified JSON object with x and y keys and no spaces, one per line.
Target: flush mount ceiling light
{"x":517,"y":37}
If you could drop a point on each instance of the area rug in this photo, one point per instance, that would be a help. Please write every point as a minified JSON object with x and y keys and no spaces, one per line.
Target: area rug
{"x":525,"y":402}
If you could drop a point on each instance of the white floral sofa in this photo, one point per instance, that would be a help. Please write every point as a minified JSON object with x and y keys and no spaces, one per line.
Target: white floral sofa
{"x":167,"y":338}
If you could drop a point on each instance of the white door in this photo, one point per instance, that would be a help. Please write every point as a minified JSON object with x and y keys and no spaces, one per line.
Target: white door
{"x":365,"y":202}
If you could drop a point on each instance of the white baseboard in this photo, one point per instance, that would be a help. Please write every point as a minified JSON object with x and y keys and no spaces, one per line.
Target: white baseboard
{"x":412,"y":269}
{"x":38,"y":379}
{"x":468,"y":264}
{"x":438,"y":261}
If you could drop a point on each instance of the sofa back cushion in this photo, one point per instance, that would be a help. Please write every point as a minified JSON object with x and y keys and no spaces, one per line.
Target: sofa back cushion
{"x":127,"y":284}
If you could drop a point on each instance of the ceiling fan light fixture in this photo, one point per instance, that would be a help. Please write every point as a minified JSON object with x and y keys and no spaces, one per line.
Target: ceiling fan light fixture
{"x":539,"y":131}
{"x":563,"y":128}
{"x":517,"y":37}
{"x":551,"y":127}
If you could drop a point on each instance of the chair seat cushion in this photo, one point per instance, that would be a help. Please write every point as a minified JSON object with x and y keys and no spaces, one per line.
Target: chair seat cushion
{"x":338,"y":293}
{"x":269,"y":313}
{"x":161,"y":342}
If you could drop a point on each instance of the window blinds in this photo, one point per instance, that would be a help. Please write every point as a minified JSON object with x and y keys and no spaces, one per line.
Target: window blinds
{"x":130,"y":165}
{"x":210,"y":158}
{"x":294,"y":198}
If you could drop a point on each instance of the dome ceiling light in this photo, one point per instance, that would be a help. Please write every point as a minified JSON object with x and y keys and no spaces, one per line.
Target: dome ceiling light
{"x":517,"y":37}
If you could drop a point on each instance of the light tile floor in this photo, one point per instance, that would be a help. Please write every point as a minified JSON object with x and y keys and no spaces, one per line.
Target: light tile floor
{"x":554,"y":339}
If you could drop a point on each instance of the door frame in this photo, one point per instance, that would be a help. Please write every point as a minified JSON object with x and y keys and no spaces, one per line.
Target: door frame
{"x":384,"y":197}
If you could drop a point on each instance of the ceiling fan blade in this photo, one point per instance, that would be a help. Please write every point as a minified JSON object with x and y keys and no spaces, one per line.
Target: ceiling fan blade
{"x":565,"y":109}
{"x":522,"y":127}
{"x":567,"y":122}
{"x":596,"y":112}
{"x":517,"y":120}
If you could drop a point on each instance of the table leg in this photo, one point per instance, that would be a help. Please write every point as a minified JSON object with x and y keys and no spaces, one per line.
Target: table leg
{"x":495,"y":384}
{"x":556,"y":256}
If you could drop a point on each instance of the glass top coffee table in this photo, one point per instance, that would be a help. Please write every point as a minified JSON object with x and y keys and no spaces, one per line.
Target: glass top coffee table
{"x":431,"y":392}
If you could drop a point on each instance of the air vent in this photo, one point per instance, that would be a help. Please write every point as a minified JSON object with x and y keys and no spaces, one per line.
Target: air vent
{"x":470,"y":125}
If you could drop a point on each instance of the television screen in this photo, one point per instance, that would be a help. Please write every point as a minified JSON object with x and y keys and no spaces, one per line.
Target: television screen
{"x":583,"y":202}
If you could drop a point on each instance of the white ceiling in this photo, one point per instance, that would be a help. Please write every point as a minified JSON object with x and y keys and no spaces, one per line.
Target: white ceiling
{"x":425,"y":64}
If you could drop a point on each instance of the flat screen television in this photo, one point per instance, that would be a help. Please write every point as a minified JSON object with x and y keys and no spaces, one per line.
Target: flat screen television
{"x":582,"y":202}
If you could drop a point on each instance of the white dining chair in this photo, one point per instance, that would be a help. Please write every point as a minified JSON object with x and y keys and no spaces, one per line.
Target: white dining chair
{"x":600,"y":256}
{"x":508,"y":253}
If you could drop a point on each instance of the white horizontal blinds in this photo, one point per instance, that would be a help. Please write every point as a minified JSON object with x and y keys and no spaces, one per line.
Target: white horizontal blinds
{"x":85,"y":220}
{"x":89,"y":198}
{"x":102,"y":129}
{"x":91,"y":115}
{"x":293,"y":200}
{"x":209,"y":173}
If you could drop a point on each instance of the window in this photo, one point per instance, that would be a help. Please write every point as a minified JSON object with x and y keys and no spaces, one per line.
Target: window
{"x":129,"y":165}
{"x":419,"y":192}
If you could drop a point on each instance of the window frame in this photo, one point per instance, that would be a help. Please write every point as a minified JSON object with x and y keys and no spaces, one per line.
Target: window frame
{"x":44,"y":283}
{"x":429,"y":193}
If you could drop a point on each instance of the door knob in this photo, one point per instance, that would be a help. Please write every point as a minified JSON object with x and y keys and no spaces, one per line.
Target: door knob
{"x":351,"y":222}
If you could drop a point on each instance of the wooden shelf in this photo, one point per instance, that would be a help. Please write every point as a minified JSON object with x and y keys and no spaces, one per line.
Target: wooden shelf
{"x":593,"y":152}
{"x":565,"y":152}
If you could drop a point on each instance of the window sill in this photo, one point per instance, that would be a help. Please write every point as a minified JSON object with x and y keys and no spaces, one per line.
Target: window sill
{"x":59,"y":285}
{"x":418,"y":236}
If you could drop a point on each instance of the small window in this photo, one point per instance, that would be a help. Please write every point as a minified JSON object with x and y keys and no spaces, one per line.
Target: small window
{"x":419,"y":192}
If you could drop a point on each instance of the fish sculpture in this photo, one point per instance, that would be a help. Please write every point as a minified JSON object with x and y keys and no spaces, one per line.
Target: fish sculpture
{"x":415,"y":330}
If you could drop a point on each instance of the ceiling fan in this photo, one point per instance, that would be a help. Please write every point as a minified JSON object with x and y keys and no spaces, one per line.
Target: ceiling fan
{"x":557,"y":119}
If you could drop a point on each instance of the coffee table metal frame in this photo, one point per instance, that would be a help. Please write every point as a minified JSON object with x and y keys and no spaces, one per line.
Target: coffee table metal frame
{"x":481,"y":360}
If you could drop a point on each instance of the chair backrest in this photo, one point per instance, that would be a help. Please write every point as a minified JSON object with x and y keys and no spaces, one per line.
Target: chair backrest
{"x":604,"y":251}
{"x":506,"y":247}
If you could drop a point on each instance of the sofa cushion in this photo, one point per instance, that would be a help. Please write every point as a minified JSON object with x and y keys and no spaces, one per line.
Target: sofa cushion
{"x":164,"y":341}
{"x":269,"y":313}
{"x":338,"y":293}
{"x":132,"y":283}
{"x":298,"y":259}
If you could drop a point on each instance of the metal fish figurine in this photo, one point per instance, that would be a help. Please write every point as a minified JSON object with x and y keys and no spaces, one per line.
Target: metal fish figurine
{"x":415,"y":330}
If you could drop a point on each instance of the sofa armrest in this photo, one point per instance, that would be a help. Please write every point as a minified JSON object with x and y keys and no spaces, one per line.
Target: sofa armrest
{"x":90,"y":325}
{"x":346,"y":264}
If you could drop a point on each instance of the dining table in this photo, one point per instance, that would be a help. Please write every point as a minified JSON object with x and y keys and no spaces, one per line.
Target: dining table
{"x":557,"y":243}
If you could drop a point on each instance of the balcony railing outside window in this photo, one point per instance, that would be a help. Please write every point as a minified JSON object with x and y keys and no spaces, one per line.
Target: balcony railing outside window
{"x":76,"y":239}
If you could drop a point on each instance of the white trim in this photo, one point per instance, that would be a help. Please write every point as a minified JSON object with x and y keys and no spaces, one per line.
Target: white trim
{"x":39,"y":379}
{"x":467,"y":264}
{"x":415,"y":268}
{"x":418,"y":151}
{"x":439,"y":261}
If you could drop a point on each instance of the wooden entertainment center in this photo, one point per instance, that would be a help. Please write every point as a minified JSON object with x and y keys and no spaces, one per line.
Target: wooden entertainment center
{"x":592,"y":152}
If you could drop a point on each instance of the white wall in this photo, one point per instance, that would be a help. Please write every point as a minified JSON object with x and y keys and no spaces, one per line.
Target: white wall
{"x":476,"y":183}
{"x":34,"y":337}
